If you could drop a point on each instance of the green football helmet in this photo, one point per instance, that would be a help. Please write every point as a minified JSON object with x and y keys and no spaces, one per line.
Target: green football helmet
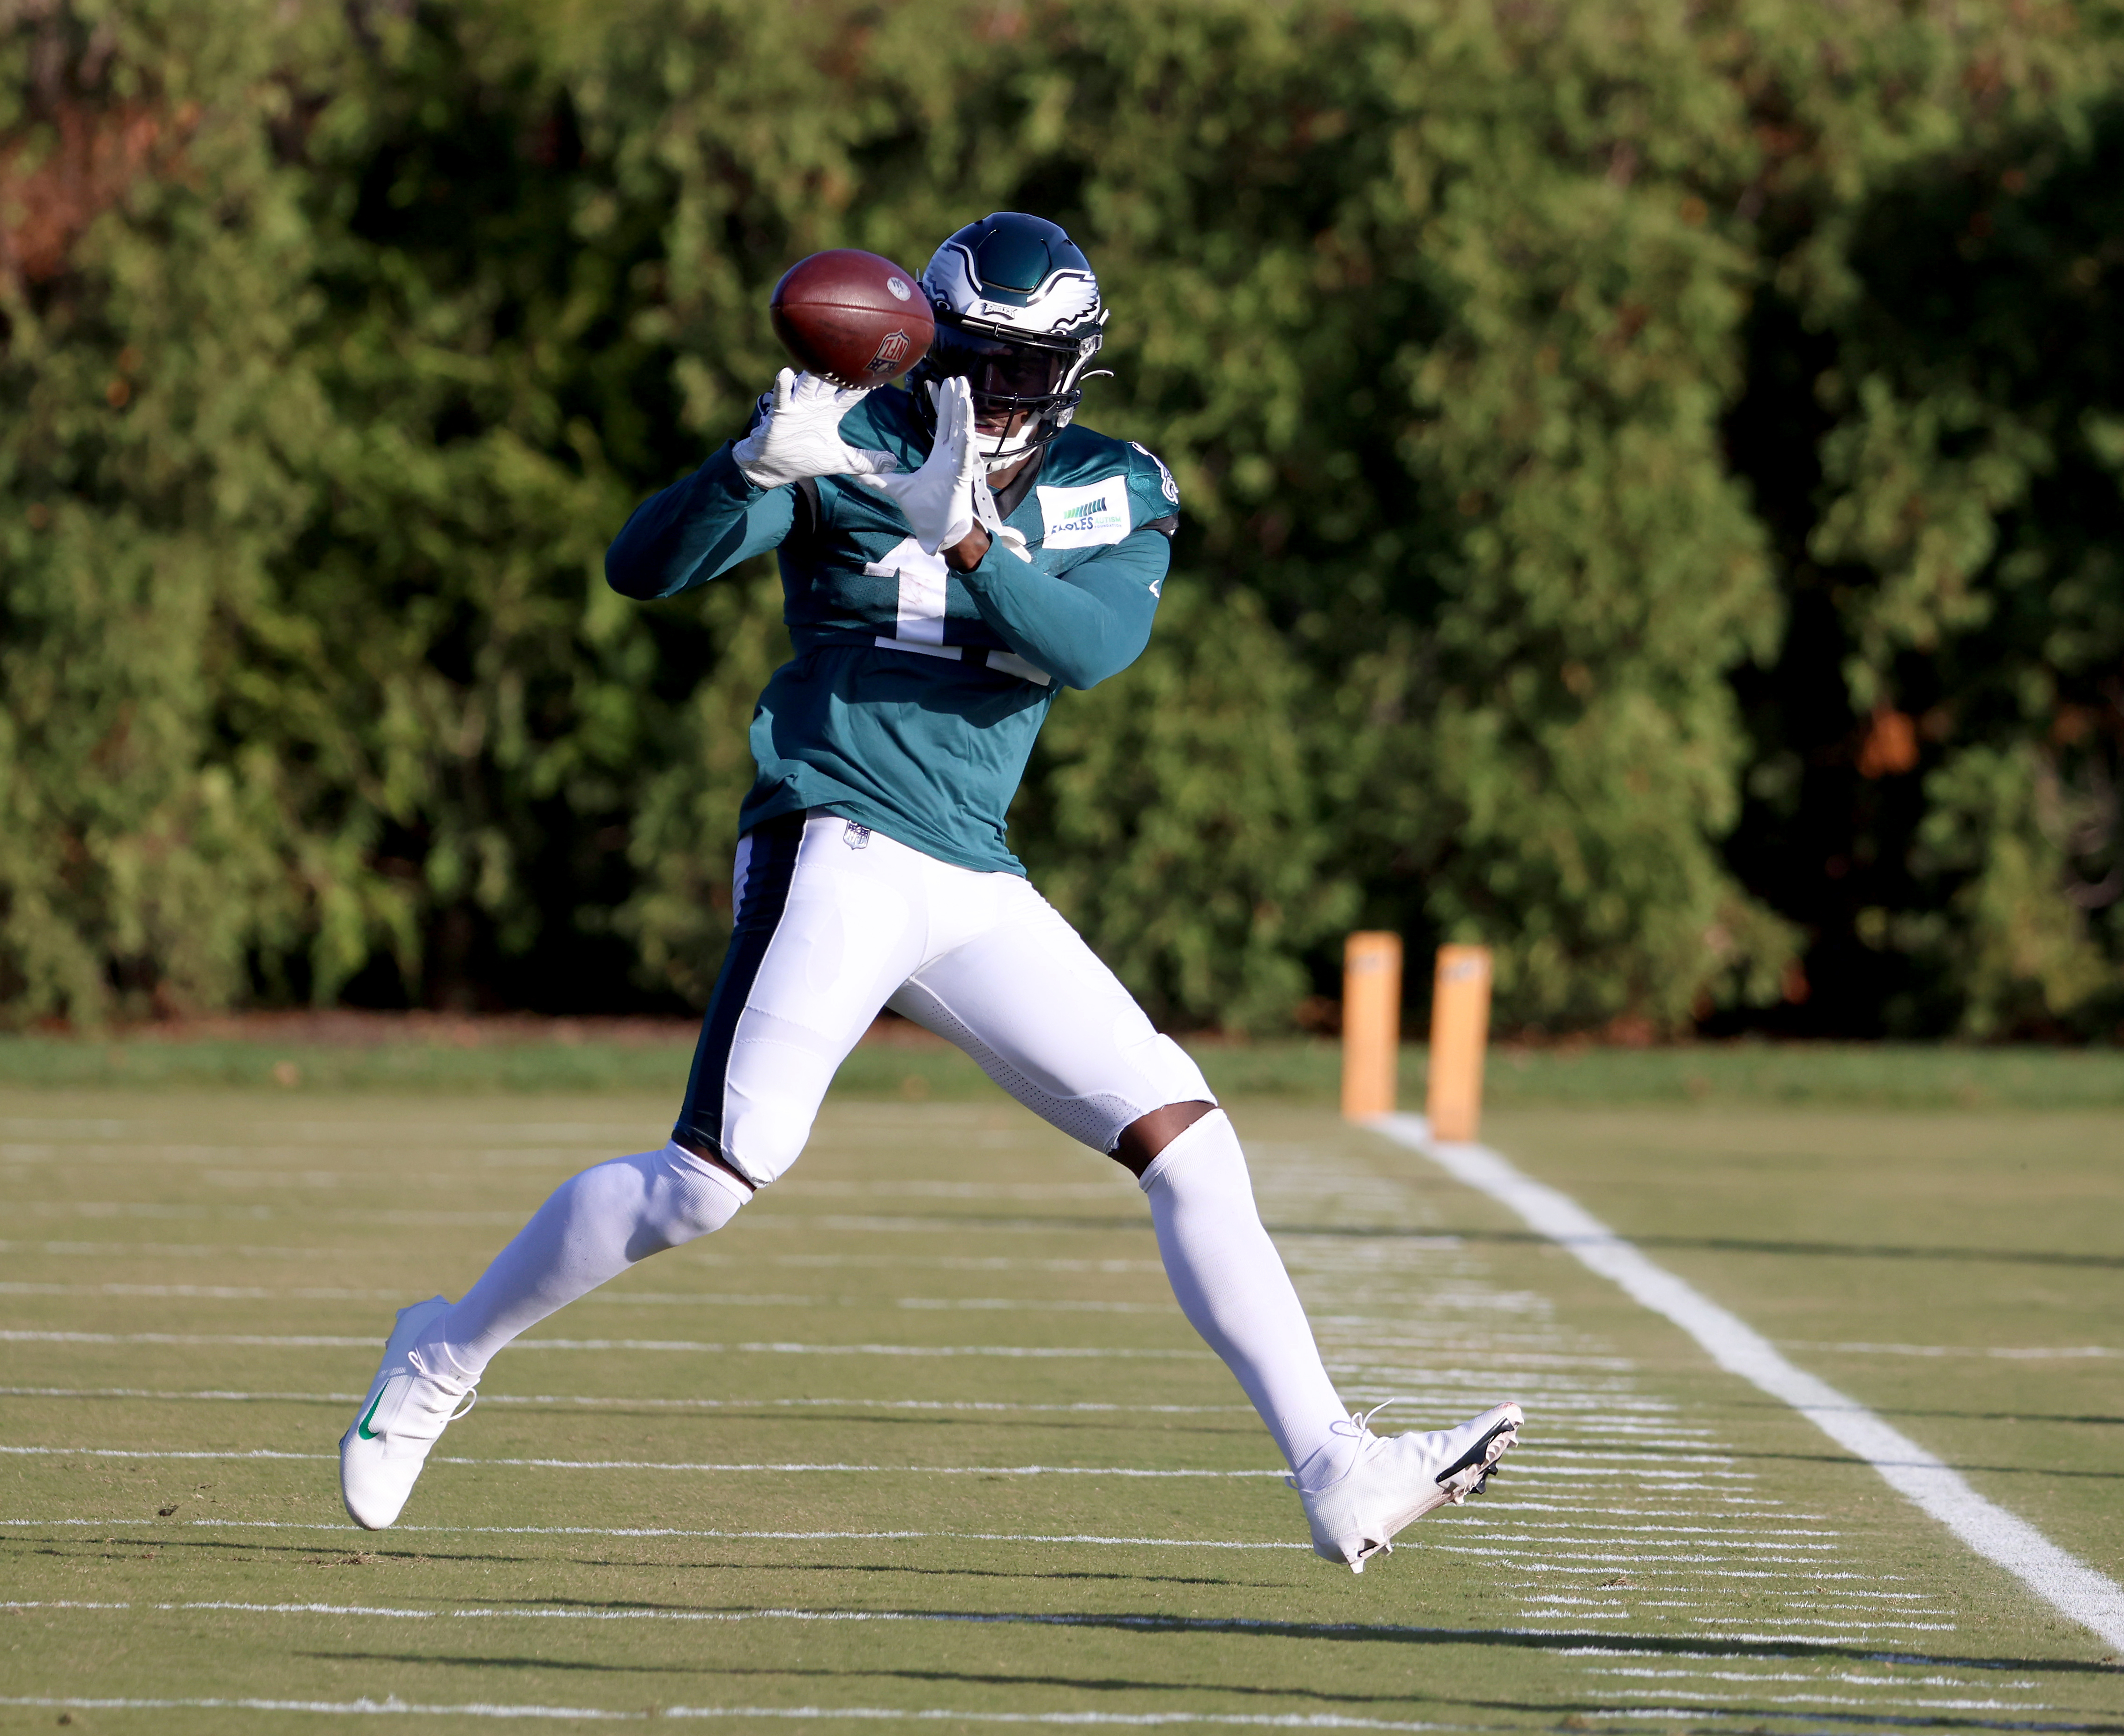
{"x":1019,"y":318}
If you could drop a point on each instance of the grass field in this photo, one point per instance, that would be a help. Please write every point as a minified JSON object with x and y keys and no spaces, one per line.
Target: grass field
{"x":923,"y":1434}
{"x":583,"y":1056}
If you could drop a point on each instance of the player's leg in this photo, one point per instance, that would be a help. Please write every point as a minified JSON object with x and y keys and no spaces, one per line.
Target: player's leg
{"x":1358,"y":1489}
{"x":825,"y":931}
{"x":1052,"y":1025}
{"x":591,"y":1228}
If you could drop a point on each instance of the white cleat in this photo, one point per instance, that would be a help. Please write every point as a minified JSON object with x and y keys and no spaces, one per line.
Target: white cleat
{"x":1394,"y":1480}
{"x":408,"y":1408}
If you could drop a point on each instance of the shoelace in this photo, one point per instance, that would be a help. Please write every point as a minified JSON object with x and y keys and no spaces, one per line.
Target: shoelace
{"x":1358,"y":1428}
{"x":470,"y":1394}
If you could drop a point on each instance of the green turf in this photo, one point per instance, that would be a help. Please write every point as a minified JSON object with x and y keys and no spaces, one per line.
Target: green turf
{"x":1302,"y":1070}
{"x":1962,"y":1275}
{"x":1669,"y":1550}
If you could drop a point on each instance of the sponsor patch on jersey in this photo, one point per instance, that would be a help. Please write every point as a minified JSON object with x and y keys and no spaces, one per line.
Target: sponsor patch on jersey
{"x":1087,"y":514}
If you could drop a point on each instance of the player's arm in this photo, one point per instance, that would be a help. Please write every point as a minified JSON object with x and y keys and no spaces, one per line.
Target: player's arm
{"x":697,"y":530}
{"x":1091,"y":622}
{"x":741,"y":502}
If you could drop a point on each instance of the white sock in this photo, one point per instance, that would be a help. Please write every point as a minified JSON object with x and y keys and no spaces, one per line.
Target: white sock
{"x":593,"y":1227}
{"x":1231,"y":1285}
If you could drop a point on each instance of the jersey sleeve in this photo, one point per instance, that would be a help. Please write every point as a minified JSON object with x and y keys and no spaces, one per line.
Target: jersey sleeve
{"x":1083,"y":625}
{"x":697,"y":530}
{"x":1153,"y":496}
{"x":1092,"y":619}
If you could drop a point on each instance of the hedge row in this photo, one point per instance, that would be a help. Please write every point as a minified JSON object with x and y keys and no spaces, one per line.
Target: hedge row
{"x":1651,"y":476}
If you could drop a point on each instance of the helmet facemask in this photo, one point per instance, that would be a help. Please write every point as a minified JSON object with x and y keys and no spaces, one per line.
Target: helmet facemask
{"x":1024,"y":392}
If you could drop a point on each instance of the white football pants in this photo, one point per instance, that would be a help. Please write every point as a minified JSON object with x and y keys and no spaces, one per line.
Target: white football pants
{"x":836,"y":922}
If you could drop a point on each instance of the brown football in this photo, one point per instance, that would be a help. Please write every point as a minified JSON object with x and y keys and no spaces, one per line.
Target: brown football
{"x":853,"y":318}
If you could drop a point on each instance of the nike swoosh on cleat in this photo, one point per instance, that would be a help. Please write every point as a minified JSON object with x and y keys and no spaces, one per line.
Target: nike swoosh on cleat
{"x":362,"y":1428}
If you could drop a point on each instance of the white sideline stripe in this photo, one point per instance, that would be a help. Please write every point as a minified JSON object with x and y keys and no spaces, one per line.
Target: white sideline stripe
{"x":21,"y":1337}
{"x":665,"y":1530}
{"x":935,"y":1471}
{"x":2065,"y":1583}
{"x":896,"y":1715}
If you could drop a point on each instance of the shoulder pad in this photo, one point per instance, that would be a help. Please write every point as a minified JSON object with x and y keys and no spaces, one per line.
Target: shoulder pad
{"x":1155,"y":496}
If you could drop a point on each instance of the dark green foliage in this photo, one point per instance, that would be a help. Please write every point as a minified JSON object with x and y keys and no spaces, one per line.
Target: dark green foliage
{"x":1512,"y":361}
{"x":157,"y":458}
{"x":1940,"y":744}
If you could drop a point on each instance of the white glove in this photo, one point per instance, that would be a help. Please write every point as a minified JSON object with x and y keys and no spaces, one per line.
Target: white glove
{"x":989,"y":517}
{"x":800,"y":434}
{"x":938,"y":499}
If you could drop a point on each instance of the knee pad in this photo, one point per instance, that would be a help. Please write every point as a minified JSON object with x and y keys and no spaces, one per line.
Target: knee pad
{"x":1171,"y":1073}
{"x":761,"y":1140}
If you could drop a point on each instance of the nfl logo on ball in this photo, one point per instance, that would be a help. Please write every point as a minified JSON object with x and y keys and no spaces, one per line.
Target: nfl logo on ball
{"x":892,"y":350}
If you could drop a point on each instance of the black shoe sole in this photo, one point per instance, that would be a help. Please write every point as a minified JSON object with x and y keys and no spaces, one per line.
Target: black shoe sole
{"x":1480,"y":1454}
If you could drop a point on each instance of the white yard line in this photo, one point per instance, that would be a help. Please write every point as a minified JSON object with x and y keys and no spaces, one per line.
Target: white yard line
{"x":1152,"y":1624}
{"x":1546,"y":1562}
{"x":2035,"y":1354}
{"x":18,"y":1336}
{"x":665,"y":1531}
{"x":933,"y":1471}
{"x":638,"y":1298}
{"x":2065,"y":1583}
{"x":630,"y":1404}
{"x":748,"y":1714}
{"x":949,"y":1263}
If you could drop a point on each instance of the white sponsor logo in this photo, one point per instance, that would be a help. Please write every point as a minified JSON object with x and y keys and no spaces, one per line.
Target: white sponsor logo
{"x":1085,"y":515}
{"x":900,"y":291}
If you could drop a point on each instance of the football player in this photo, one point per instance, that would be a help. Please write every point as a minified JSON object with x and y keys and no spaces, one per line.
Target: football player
{"x":953,"y":555}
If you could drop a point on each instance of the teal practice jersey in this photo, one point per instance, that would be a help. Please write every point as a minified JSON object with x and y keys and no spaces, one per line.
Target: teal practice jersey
{"x":915,"y":692}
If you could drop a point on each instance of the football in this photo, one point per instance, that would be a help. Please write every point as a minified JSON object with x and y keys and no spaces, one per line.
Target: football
{"x":852,"y":317}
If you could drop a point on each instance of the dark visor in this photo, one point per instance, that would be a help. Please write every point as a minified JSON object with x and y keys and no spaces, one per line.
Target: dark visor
{"x":995,"y":370}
